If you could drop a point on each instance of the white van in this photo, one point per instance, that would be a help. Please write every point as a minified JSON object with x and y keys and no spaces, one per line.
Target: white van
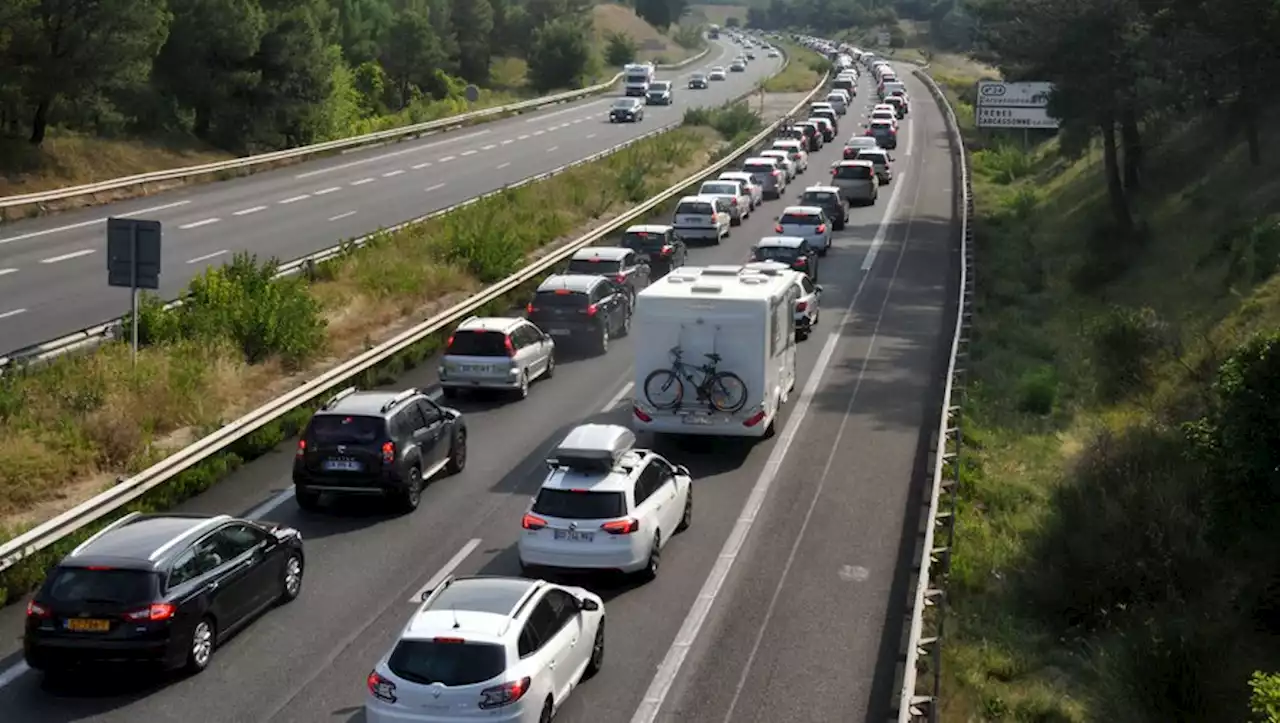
{"x":715,"y":352}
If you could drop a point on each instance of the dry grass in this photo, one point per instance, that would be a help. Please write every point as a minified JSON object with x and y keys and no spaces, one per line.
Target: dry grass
{"x":720,"y":14}
{"x":801,"y":73}
{"x":73,"y":426}
{"x":72,"y":159}
{"x":652,"y":43}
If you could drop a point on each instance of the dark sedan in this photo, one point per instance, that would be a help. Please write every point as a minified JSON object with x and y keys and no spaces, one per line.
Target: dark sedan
{"x":626,"y":110}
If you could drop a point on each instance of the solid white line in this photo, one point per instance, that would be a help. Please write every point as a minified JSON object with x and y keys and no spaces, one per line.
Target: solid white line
{"x":436,"y":187}
{"x":6,"y":272}
{"x":247,"y":211}
{"x":617,"y":398}
{"x":330,"y":189}
{"x":447,"y":570}
{"x":421,"y":166}
{"x":294,"y":199}
{"x":504,"y":165}
{"x":553,"y":149}
{"x":86,"y":224}
{"x":675,"y":656}
{"x":198,"y":224}
{"x":393,"y":154}
{"x":469,"y":153}
{"x":64,"y":257}
{"x":362,"y":181}
{"x":17,"y":671}
{"x":342,"y":216}
{"x":869,"y":260}
{"x":206,"y":257}
{"x":489,"y":147}
{"x":6,"y":315}
{"x":266,"y":507}
{"x":392,"y":174}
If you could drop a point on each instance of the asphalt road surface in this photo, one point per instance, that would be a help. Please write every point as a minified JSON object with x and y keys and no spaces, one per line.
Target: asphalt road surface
{"x":783,"y":602}
{"x":53,"y":277}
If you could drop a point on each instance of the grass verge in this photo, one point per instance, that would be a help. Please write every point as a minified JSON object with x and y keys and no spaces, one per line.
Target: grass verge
{"x":1110,"y":562}
{"x":68,"y":428}
{"x":803,"y":71}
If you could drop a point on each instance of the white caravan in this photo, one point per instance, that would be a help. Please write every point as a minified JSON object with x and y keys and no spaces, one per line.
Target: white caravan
{"x":636,"y":77}
{"x":715,"y":352}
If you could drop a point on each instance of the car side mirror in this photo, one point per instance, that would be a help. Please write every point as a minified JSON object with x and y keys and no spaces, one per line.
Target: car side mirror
{"x":683,"y":471}
{"x":425,"y":594}
{"x":588,"y":605}
{"x":818,"y":287}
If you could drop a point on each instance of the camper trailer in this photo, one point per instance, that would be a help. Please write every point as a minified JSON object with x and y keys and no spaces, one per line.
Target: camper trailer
{"x":636,"y":78}
{"x":715,"y":352}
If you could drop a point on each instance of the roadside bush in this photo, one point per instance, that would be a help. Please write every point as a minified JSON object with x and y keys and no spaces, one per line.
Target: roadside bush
{"x":619,"y":49}
{"x":1125,"y":344}
{"x":1038,"y":391}
{"x":1125,"y":532}
{"x":736,"y":122}
{"x":1265,"y":701}
{"x":1171,"y":667}
{"x":1003,"y":164}
{"x":689,"y":37}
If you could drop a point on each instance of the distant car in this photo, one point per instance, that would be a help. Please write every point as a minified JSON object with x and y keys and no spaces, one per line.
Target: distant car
{"x":702,"y":217}
{"x":796,"y":151}
{"x":857,"y":181}
{"x":659,"y":93}
{"x":732,"y":191}
{"x":774,"y":53}
{"x":770,"y":171}
{"x":755,"y":189}
{"x":698,"y":81}
{"x":618,"y":264}
{"x":831,"y":199}
{"x":580,"y":309}
{"x":809,"y":223}
{"x":880,"y":159}
{"x":885,"y":134}
{"x":717,"y":73}
{"x":751,"y":55}
{"x":378,"y":443}
{"x":857,"y":143}
{"x":790,"y":167}
{"x":496,"y":353}
{"x":666,"y":250}
{"x":809,"y":294}
{"x":737,"y":66}
{"x":165,"y":588}
{"x":826,"y":127}
{"x":626,"y":110}
{"x":501,"y":649}
{"x":793,"y":251}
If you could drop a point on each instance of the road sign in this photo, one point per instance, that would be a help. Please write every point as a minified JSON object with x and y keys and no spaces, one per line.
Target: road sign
{"x":1014,"y":118}
{"x":472,"y":93}
{"x":993,"y":93}
{"x":133,"y":261}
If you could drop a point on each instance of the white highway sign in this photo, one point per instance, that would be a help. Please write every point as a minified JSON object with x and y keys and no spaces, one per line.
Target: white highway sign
{"x":987,"y":117}
{"x":993,"y":93}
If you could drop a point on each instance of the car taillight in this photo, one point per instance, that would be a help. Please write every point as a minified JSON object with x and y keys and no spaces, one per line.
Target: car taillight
{"x":822,"y":228}
{"x":506,"y":344}
{"x":36,"y":610}
{"x":620,"y":278}
{"x":505,"y":694}
{"x":592,"y":309}
{"x":530,"y":308}
{"x":733,"y":202}
{"x":777,"y":228}
{"x":640,"y":414}
{"x":154,"y":612}
{"x":777,"y":174}
{"x":380,"y":687}
{"x":532,"y":522}
{"x":849,"y":153}
{"x":302,"y":449}
{"x":449,"y":344}
{"x":388,"y":452}
{"x":867,"y":133}
{"x":754,"y":419}
{"x":622,"y":527}
{"x":833,"y":173}
{"x":668,"y":250}
{"x":802,"y":306}
{"x":802,"y":261}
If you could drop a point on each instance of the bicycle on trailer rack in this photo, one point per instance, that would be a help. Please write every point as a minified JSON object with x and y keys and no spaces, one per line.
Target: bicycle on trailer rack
{"x":722,"y":391}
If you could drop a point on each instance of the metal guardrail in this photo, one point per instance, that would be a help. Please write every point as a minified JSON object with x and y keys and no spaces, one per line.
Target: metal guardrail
{"x":114,"y":184}
{"x":101,"y":333}
{"x":121,"y":494}
{"x":935,"y":560}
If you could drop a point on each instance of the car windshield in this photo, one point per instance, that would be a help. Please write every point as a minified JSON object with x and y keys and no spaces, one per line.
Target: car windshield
{"x":477,"y":343}
{"x":594,"y":266}
{"x":78,"y":584}
{"x":759,"y":168}
{"x":881,"y":128}
{"x":783,"y":254}
{"x":660,"y":85}
{"x":880,"y":159}
{"x":699,"y":76}
{"x":860,"y":173}
{"x":452,"y":664}
{"x":799,"y":219}
{"x":570,"y":505}
{"x":694,"y":208}
{"x":341,"y":429}
{"x":643,"y":240}
{"x":560,"y":299}
{"x":624,"y":104}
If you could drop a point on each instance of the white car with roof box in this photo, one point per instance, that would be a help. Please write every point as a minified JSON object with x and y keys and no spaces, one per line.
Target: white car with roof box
{"x":807,"y":222}
{"x":732,"y":191}
{"x":715,"y":352}
{"x":605,"y":505}
{"x":795,"y":151}
{"x":487,"y":648}
{"x":808,"y":302}
{"x":701,"y":217}
{"x":755,"y":189}
{"x":784,"y":158}
{"x":496,"y":353}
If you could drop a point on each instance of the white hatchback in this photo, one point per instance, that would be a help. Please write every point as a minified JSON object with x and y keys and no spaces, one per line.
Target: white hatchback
{"x":605,"y":505}
{"x":500,"y":649}
{"x":795,"y":150}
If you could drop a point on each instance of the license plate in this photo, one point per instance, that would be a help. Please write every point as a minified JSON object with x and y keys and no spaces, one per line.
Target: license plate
{"x":88,"y":625}
{"x":342,"y":465}
{"x":575,"y":535}
{"x":475,"y":368}
{"x":696,"y":419}
{"x":694,"y":221}
{"x":560,"y":332}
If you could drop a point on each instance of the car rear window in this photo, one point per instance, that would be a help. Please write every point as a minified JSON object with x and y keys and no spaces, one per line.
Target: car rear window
{"x":339,"y":429}
{"x":799,"y":219}
{"x":819,"y":198}
{"x":727,"y":189}
{"x":861,"y":173}
{"x":560,"y":299}
{"x":77,"y":584}
{"x":478,"y":343}
{"x":570,"y":505}
{"x":643,"y":241}
{"x":881,"y":126}
{"x":784,"y":254}
{"x":594,"y":266}
{"x":692,"y":208}
{"x":873,"y":156}
{"x":758,"y":168}
{"x":452,"y":664}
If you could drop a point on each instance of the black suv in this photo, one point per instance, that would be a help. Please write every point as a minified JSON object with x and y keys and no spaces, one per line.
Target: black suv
{"x":581,"y":309}
{"x":790,"y":250}
{"x":160,"y":589}
{"x":829,"y":199}
{"x":659,"y":244}
{"x":619,"y":264}
{"x":378,"y":443}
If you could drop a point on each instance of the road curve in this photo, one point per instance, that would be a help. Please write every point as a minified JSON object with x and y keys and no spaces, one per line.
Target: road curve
{"x":53,"y":270}
{"x":802,"y":618}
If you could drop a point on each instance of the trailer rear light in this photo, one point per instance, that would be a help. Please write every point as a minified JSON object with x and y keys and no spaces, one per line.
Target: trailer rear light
{"x":640,"y":414}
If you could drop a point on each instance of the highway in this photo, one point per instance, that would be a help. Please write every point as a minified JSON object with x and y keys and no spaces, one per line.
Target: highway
{"x":785,"y":599}
{"x":53,"y":269}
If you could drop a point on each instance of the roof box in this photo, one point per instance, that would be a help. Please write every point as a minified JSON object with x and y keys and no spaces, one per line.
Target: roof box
{"x":593,"y":447}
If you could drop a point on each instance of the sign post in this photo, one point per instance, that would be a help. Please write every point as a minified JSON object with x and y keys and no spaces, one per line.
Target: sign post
{"x":1014,"y":105}
{"x":133,"y":262}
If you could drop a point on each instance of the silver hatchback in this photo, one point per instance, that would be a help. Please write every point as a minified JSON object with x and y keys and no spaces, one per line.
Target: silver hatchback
{"x":502,"y":353}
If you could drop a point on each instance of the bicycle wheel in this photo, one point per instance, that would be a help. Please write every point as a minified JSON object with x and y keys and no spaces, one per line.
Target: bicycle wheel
{"x":727,"y":391}
{"x":664,"y":389}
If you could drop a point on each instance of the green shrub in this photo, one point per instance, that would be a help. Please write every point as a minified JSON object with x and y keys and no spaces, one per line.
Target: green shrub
{"x":619,"y":49}
{"x":1125,"y":344}
{"x":1265,"y":700}
{"x":689,"y":37}
{"x":732,"y":121}
{"x":1038,"y":390}
{"x":1003,"y":164}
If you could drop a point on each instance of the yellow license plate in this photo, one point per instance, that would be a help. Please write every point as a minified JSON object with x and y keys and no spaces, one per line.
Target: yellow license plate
{"x":88,"y":625}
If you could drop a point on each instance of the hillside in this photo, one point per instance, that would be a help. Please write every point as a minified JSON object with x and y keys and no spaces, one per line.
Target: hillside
{"x":720,"y":14}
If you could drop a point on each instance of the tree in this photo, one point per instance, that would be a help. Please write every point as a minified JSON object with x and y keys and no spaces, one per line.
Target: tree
{"x":560,"y":55}
{"x":74,"y":48}
{"x":362,"y":28}
{"x":732,"y":22}
{"x":473,"y":22}
{"x":619,"y":49}
{"x":412,"y":54}
{"x":661,"y":14}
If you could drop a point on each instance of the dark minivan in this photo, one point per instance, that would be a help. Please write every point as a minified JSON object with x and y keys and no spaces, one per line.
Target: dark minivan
{"x":581,"y":309}
{"x":659,"y":243}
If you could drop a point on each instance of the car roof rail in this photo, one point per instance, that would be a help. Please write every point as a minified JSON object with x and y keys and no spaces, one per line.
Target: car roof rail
{"x":399,"y":398}
{"x":114,"y":525}
{"x":343,"y":394}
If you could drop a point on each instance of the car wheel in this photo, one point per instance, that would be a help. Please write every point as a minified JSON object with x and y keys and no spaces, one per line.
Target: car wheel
{"x":411,"y":496}
{"x":822,"y":251}
{"x":687,"y":518}
{"x":458,"y":453}
{"x":626,"y":325}
{"x":291,"y":579}
{"x":551,"y":365}
{"x":522,"y":392}
{"x":650,"y":570}
{"x":602,"y":342}
{"x":547,"y":711}
{"x":597,"y":652}
{"x":307,"y":500}
{"x":200,"y":647}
